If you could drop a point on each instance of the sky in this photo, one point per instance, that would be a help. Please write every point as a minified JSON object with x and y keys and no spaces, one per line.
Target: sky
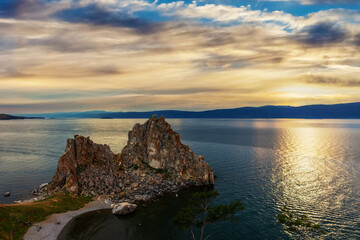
{"x":138,"y":55}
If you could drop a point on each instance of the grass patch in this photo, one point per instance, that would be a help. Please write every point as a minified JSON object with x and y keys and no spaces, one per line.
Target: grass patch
{"x":15,"y":217}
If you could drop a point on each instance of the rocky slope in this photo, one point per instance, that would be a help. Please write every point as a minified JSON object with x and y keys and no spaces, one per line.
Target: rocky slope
{"x":154,"y":161}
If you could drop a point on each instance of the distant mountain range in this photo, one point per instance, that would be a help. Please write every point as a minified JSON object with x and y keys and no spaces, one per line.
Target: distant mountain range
{"x":340,"y":111}
{"x":10,"y":117}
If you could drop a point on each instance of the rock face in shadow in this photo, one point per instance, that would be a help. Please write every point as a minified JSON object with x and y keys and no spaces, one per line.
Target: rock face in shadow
{"x":80,"y":153}
{"x":154,"y":161}
{"x":155,"y":144}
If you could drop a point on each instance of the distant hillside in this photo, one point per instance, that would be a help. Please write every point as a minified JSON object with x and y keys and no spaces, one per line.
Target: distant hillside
{"x":10,"y":117}
{"x":339,"y":111}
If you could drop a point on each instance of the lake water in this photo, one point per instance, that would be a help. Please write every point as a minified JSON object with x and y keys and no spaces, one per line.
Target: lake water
{"x":312,"y":166}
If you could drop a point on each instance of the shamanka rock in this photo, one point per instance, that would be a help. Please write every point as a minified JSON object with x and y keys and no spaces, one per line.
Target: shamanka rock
{"x":153,"y":162}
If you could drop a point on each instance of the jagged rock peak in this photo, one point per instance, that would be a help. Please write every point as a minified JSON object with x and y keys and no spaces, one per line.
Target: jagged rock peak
{"x":80,"y":153}
{"x":154,"y":161}
{"x":155,"y":144}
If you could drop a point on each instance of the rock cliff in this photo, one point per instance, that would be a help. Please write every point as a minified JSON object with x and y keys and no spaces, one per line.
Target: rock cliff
{"x":80,"y":153}
{"x":155,"y":144}
{"x":154,"y":161}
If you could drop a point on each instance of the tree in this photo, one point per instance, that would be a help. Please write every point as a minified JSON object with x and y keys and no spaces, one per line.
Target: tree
{"x":301,"y":225}
{"x":200,"y":212}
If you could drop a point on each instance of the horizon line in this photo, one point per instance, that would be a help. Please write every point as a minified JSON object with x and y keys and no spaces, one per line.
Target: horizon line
{"x":177,"y":110}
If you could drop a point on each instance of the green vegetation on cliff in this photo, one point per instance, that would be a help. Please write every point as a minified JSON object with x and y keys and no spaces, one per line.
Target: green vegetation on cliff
{"x":15,"y":219}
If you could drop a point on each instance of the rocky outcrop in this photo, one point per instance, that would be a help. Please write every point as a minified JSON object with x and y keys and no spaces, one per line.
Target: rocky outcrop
{"x":153,"y":162}
{"x":80,"y":154}
{"x":123,"y":208}
{"x":155,"y":144}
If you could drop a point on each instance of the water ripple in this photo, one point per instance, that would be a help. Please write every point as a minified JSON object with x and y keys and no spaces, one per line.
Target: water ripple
{"x":312,"y":166}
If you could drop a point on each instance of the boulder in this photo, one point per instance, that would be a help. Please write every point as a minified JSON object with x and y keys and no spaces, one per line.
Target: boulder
{"x":123,"y":208}
{"x":144,"y":197}
{"x":42,"y":186}
{"x":41,"y":190}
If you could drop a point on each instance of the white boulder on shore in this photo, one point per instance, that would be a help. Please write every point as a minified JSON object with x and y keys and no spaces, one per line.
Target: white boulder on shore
{"x":42,"y":186}
{"x":123,"y":208}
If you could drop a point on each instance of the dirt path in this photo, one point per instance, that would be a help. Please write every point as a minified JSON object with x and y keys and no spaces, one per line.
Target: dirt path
{"x":54,"y":224}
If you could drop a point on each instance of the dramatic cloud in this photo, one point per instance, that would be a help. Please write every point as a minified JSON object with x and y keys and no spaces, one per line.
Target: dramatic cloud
{"x":311,"y":2}
{"x":32,"y":9}
{"x":328,"y":80}
{"x":97,"y":15}
{"x":69,"y":55}
{"x":357,"y":39}
{"x":322,"y":33}
{"x":224,"y":13}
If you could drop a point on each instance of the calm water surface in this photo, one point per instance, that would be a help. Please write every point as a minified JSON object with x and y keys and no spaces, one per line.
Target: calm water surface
{"x":313,"y":166}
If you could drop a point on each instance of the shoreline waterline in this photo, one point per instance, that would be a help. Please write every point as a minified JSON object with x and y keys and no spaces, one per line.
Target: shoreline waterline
{"x":51,"y":228}
{"x":142,"y":224}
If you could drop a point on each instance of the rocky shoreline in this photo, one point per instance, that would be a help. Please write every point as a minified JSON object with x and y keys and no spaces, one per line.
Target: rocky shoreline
{"x":153,"y":162}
